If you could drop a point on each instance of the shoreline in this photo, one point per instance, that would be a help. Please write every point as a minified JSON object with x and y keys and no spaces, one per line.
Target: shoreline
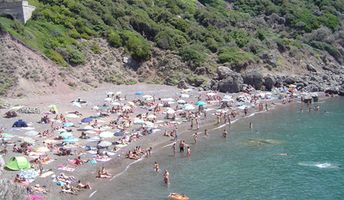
{"x":119,"y":164}
{"x":188,"y":132}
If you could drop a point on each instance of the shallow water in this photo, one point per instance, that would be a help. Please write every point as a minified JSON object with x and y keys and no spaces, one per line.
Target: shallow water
{"x":287,"y":155}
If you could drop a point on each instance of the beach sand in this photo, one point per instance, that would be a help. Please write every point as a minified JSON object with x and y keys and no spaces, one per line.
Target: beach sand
{"x":118,"y":164}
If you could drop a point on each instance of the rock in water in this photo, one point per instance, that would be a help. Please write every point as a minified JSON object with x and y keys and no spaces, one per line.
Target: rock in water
{"x":10,"y":191}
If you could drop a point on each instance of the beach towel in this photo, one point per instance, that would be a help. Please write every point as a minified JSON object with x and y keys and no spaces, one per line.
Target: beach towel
{"x":29,"y":175}
{"x":65,"y":168}
{"x":35,"y":197}
{"x":103,"y":159}
{"x":46,"y":174}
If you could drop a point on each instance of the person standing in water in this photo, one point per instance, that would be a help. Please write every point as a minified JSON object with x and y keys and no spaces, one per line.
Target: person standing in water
{"x":188,"y":152}
{"x":195,"y":135}
{"x":174,"y":148}
{"x":156,"y":167}
{"x":251,"y":125}
{"x":181,"y":146}
{"x":206,"y":132}
{"x":166,"y":177}
{"x":224,"y":134}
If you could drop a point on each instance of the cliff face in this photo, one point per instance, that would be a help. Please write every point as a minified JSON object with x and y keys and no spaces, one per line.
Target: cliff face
{"x":214,"y":44}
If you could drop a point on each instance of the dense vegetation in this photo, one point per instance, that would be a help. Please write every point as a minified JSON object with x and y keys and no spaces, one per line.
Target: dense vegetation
{"x":230,"y":31}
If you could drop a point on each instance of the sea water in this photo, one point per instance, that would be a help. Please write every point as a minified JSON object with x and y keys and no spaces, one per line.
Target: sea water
{"x":287,"y":154}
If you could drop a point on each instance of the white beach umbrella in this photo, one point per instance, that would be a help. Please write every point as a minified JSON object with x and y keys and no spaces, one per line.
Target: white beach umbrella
{"x":181,"y":101}
{"x":167,"y":99}
{"x":149,"y":124}
{"x":138,"y":121}
{"x":72,"y":116}
{"x":170,"y":111}
{"x":189,"y":107}
{"x":116,"y":103}
{"x":184,"y":96}
{"x":105,"y":144}
{"x":126,"y":107}
{"x":211,"y":94}
{"x":108,"y":99}
{"x":151,"y":116}
{"x":76,"y":104}
{"x":106,"y":134}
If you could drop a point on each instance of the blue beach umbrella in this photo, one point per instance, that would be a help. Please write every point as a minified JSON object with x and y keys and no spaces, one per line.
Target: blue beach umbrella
{"x":66,"y":134}
{"x":200,"y":103}
{"x":118,"y":133}
{"x":70,"y":140}
{"x":86,"y":120}
{"x":68,"y":124}
{"x":139,"y":93}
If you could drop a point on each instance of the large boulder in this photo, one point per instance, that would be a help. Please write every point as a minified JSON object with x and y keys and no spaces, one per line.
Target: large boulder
{"x":255,"y":79}
{"x":231,"y":84}
{"x":269,"y":82}
{"x":223,"y":72}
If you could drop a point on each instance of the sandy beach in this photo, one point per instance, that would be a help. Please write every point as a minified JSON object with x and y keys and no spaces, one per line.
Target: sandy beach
{"x":116,"y":162}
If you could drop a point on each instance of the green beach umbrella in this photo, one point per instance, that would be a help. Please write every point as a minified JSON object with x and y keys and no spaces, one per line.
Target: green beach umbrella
{"x":200,"y":103}
{"x":18,"y":163}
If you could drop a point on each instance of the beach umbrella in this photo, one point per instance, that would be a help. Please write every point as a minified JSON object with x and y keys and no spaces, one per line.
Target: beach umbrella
{"x":170,"y":111}
{"x":104,"y":144}
{"x":200,"y":103}
{"x":72,"y":116}
{"x":66,"y":134}
{"x":76,"y":104}
{"x":28,"y":140}
{"x":51,"y":141}
{"x":189,"y":107}
{"x":108,"y":99}
{"x":118,"y":93}
{"x":70,"y":140}
{"x":116,"y":103}
{"x":106,"y":134}
{"x":211,"y":94}
{"x":151,"y":117}
{"x":41,"y":149}
{"x":87,"y":120}
{"x":139,"y":93}
{"x":147,"y":97}
{"x":149,"y":124}
{"x":167,"y":99}
{"x":15,"y":108}
{"x":138,"y":121}
{"x":119,"y":133}
{"x":68,"y":124}
{"x":31,"y":133}
{"x":90,"y":132}
{"x":184,"y":96}
{"x":132,"y":104}
{"x":110,"y":93}
{"x":181,"y":101}
{"x":126,"y":107}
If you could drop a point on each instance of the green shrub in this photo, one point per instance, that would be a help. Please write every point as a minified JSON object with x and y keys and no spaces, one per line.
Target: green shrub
{"x":234,"y":56}
{"x":138,"y":47}
{"x":194,"y":55}
{"x":170,"y":39}
{"x":114,"y":39}
{"x":95,"y":48}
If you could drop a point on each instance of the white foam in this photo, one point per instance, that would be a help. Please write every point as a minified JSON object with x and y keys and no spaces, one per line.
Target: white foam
{"x":320,"y":165}
{"x":126,"y":169}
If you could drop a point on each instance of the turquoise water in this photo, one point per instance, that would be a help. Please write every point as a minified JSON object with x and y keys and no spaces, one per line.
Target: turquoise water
{"x":297,"y":156}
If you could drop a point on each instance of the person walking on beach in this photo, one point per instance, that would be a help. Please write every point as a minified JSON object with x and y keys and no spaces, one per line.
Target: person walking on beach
{"x":188,"y":151}
{"x":156,"y":167}
{"x":166,"y":177}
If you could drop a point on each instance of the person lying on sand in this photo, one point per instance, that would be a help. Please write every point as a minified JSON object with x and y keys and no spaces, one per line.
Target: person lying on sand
{"x":38,"y":188}
{"x":19,"y":179}
{"x":83,"y":186}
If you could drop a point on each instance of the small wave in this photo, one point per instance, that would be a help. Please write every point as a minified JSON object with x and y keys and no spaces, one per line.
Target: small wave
{"x":320,"y":165}
{"x":126,"y":169}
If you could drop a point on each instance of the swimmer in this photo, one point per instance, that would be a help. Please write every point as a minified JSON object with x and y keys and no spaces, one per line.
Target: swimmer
{"x":224,"y":134}
{"x":188,"y":151}
{"x":206,"y":132}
